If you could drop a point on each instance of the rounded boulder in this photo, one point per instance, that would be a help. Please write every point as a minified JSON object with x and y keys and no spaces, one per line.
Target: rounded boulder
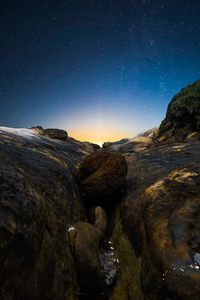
{"x":103,"y":175}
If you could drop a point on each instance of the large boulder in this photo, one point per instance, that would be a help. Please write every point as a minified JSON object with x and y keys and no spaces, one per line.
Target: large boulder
{"x":183,"y":115}
{"x":53,"y":133}
{"x":103,"y":175}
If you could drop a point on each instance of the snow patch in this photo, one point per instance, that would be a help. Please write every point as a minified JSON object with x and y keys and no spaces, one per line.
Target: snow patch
{"x":23,"y":132}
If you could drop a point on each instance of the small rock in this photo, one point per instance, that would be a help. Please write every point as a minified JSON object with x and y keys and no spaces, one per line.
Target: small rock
{"x":100,"y":219}
{"x":87,"y":243}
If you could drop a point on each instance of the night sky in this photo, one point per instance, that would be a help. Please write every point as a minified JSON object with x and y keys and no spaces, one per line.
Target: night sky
{"x":102,"y":70}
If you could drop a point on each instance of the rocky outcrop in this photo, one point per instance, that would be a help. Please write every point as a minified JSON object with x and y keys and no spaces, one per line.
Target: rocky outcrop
{"x":161,"y":214}
{"x":52,"y":133}
{"x":160,"y":210}
{"x":100,"y":219}
{"x":183,"y":116}
{"x":107,"y":145}
{"x":56,"y":134}
{"x":39,"y":199}
{"x":64,"y":246}
{"x":102,"y":176}
{"x":135,"y":144}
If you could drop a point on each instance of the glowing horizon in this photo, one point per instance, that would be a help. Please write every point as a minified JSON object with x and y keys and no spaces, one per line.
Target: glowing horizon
{"x":105,"y":122}
{"x":97,"y":135}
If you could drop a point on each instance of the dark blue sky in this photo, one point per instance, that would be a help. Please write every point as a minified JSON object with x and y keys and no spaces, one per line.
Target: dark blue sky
{"x":100,"y":69}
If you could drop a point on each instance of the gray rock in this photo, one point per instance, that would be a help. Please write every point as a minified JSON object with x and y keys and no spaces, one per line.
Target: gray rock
{"x":53,"y":133}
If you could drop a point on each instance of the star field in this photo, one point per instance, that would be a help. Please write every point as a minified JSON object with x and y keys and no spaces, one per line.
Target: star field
{"x":102,"y":70}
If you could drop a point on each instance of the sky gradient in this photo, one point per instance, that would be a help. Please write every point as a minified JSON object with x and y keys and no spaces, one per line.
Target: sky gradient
{"x":103,"y":70}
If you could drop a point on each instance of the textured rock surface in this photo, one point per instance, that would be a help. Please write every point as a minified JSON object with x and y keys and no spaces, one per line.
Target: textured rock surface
{"x":135,"y":144}
{"x":127,"y":285}
{"x":85,"y":240}
{"x":56,"y":134}
{"x":39,"y":198}
{"x":87,"y":259}
{"x":100,"y":219}
{"x":53,"y":133}
{"x":161,"y":214}
{"x":183,"y":115}
{"x":103,"y":175}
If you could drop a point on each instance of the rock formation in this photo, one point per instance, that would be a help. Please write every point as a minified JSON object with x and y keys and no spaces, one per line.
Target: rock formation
{"x":135,"y":144}
{"x":183,"y":116}
{"x":39,"y":198}
{"x":145,"y":247}
{"x":161,"y":213}
{"x":85,"y":240}
{"x":52,"y":133}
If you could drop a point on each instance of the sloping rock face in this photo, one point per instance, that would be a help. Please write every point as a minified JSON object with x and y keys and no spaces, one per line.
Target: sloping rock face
{"x":161,"y":215}
{"x":135,"y":144}
{"x":39,"y":199}
{"x":160,"y":211}
{"x":103,"y":175}
{"x":183,"y":115}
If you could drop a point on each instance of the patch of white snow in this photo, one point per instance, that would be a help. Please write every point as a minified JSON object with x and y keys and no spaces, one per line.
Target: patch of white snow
{"x":23,"y":132}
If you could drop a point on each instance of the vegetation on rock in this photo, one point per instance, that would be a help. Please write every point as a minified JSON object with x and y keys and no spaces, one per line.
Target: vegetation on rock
{"x":183,"y":115}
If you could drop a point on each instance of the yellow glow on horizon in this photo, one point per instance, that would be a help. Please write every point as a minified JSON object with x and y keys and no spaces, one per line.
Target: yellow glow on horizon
{"x":97,"y":135}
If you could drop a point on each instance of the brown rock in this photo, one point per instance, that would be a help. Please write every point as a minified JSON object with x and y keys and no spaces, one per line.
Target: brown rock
{"x":103,"y":175}
{"x":100,"y":219}
{"x":87,"y":258}
{"x":84,"y":240}
{"x":53,"y":133}
{"x":161,"y":213}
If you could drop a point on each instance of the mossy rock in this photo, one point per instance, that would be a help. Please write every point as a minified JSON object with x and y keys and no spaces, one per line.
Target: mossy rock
{"x":183,"y":114}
